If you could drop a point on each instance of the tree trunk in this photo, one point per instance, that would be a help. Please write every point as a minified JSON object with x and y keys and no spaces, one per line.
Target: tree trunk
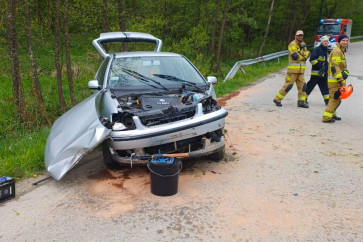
{"x":332,"y":9}
{"x":212,"y":44}
{"x":58,"y":67}
{"x":68,"y":54}
{"x":37,"y":11}
{"x":105,"y":22}
{"x":267,"y":29}
{"x":122,"y":21}
{"x":320,"y":10}
{"x":305,"y":11}
{"x":36,"y":83}
{"x":224,"y":18}
{"x":18,"y":91}
{"x":291,"y":30}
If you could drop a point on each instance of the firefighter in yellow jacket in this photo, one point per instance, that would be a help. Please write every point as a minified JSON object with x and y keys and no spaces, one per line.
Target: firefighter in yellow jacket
{"x":298,"y":54}
{"x":337,"y":74}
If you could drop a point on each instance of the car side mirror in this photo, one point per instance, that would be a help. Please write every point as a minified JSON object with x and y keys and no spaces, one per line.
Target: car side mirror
{"x":211,"y":79}
{"x":93,"y":84}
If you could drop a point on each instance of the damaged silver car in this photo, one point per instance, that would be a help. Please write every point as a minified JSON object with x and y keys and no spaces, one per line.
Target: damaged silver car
{"x":144,"y":102}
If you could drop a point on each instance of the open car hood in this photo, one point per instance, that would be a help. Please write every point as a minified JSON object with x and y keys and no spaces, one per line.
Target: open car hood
{"x":73,"y":135}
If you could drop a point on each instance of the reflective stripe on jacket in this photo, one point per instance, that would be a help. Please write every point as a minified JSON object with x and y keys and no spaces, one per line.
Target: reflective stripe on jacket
{"x":319,"y":61}
{"x":297,"y":66}
{"x":337,"y":64}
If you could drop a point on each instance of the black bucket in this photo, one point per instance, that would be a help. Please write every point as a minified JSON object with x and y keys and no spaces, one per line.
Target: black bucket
{"x":164,"y":175}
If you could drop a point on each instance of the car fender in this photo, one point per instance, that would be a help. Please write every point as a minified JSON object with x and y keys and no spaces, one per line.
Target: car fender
{"x":72,"y":136}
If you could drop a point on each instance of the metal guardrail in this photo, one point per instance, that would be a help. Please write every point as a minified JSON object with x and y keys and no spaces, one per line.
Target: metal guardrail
{"x":357,"y":37}
{"x":239,"y":64}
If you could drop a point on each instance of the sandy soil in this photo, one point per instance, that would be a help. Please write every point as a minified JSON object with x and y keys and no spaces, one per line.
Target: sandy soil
{"x":286,"y":176}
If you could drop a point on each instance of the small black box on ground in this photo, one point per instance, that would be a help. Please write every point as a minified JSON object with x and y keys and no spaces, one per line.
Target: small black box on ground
{"x":7,"y":188}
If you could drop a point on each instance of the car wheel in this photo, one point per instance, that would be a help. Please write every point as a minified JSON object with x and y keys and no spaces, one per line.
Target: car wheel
{"x":107,"y":157}
{"x":217,"y":156}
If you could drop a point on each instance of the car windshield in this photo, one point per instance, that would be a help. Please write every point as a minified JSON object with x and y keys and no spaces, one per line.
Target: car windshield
{"x":157,"y":72}
{"x":330,"y":29}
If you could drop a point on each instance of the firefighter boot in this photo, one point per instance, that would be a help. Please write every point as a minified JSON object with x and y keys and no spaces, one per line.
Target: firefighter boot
{"x":302,"y":104}
{"x":278,"y":104}
{"x":329,"y":121}
{"x":337,"y":118}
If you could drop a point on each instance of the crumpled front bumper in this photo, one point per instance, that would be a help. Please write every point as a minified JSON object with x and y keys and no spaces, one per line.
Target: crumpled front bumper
{"x":144,"y":136}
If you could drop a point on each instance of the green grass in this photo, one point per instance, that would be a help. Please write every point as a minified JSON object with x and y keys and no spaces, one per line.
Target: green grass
{"x":22,"y":144}
{"x":22,"y":153}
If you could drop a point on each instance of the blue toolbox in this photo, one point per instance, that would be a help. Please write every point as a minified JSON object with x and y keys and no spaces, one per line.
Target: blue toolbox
{"x":7,"y":188}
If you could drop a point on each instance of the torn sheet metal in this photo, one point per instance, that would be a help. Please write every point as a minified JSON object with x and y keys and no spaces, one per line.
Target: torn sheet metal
{"x":74,"y":134}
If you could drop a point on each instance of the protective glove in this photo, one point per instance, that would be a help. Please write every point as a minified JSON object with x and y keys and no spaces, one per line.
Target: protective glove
{"x":337,"y":94}
{"x":306,"y":54}
{"x":295,"y":56}
{"x":345,"y":74}
{"x":321,"y":71}
{"x":302,"y":46}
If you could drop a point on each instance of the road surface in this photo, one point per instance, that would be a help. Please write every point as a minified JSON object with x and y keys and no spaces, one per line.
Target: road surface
{"x":287,"y":176}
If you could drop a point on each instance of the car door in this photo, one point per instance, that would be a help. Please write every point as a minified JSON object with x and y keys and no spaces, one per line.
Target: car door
{"x":73,"y":135}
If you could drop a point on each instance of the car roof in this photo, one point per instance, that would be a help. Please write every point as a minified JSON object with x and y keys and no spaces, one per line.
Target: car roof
{"x":143,"y":54}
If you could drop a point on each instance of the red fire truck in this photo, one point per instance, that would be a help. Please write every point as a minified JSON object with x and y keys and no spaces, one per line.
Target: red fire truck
{"x":333,"y":28}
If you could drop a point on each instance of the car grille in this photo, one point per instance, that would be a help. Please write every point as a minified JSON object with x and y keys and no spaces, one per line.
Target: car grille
{"x":166,"y":116}
{"x":187,"y":145}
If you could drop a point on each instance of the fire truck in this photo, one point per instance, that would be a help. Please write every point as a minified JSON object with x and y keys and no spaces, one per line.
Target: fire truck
{"x":333,"y":28}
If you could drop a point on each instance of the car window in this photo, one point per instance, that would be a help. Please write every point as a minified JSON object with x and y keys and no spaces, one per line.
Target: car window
{"x":328,"y":29}
{"x":100,"y":75}
{"x":126,"y":72}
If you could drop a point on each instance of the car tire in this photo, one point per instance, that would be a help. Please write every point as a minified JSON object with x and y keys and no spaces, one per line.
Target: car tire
{"x":107,"y":157}
{"x":217,"y":156}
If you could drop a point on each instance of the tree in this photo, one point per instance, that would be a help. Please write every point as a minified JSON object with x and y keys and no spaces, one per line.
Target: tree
{"x":105,"y":22}
{"x":18,"y":91}
{"x":224,"y":18}
{"x":68,"y":54}
{"x":36,"y":83}
{"x":305,"y":9}
{"x":122,"y":20}
{"x":267,"y":29}
{"x":58,"y":67}
{"x":212,"y":44}
{"x":291,"y":26}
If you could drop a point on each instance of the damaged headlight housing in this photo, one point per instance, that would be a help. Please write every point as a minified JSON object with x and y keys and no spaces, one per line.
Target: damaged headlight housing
{"x":209,"y":105}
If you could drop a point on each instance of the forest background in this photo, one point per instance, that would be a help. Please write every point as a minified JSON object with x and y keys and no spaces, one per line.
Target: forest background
{"x":47,"y":57}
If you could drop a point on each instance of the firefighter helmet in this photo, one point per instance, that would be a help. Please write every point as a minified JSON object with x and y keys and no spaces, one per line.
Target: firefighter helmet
{"x":345,"y":91}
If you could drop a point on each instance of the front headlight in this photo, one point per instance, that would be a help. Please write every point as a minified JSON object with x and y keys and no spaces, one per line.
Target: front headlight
{"x":123,"y":121}
{"x":209,"y":105}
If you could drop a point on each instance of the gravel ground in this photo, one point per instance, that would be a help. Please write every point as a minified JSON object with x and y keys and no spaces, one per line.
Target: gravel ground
{"x":287,"y":176}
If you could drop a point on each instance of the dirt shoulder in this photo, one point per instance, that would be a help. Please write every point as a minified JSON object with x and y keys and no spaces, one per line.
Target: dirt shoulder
{"x":287,"y":176}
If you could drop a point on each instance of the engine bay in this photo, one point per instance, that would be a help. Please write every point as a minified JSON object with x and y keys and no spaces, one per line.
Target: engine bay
{"x":158,"y":109}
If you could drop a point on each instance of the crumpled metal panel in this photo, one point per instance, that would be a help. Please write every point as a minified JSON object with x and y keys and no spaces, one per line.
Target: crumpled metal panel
{"x":74,"y":134}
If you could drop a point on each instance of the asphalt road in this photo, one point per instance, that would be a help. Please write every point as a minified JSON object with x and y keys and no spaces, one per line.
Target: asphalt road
{"x":287,"y":176}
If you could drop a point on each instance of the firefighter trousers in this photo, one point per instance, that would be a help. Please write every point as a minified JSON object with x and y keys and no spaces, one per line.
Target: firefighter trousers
{"x":333,"y":104}
{"x":323,"y":86}
{"x":290,"y":79}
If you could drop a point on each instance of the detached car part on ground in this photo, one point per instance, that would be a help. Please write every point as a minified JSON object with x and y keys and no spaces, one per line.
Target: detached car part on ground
{"x":143,"y":103}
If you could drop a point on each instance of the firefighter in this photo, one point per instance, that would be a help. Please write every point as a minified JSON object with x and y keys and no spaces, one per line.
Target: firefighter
{"x":319,"y":69}
{"x":337,"y":74}
{"x":298,"y":54}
